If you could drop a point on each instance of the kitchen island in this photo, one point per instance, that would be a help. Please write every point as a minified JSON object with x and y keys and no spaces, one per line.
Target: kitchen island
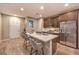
{"x":48,"y":41}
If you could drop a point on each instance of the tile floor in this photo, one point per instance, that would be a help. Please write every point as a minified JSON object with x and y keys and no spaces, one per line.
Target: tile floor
{"x":13,"y":47}
{"x":17,"y":47}
{"x":64,"y":50}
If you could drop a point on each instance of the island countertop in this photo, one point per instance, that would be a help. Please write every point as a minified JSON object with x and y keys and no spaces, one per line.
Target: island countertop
{"x":42,"y":37}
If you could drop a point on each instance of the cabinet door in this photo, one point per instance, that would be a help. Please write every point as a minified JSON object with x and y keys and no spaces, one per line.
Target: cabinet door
{"x":52,"y":22}
{"x":62,"y":17}
{"x":68,"y":16}
{"x":71,"y":15}
{"x":56,"y":23}
{"x":46,"y":22}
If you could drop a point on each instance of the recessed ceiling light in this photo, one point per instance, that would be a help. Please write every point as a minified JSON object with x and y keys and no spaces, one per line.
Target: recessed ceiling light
{"x":15,"y":15}
{"x":40,"y":15}
{"x":42,"y":7}
{"x":66,"y":5}
{"x":22,"y":9}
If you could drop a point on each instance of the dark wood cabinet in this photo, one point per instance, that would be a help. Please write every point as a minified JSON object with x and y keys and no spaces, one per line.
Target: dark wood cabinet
{"x":51,"y":22}
{"x":62,"y":17}
{"x":46,"y":22}
{"x":72,"y":15}
{"x":54,"y":21}
{"x":68,"y":16}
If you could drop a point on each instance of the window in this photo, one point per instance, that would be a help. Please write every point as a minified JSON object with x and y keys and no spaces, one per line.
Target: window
{"x":30,"y":23}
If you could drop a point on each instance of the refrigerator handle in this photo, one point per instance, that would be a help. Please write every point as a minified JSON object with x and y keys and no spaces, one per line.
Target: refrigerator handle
{"x":60,"y":30}
{"x":65,"y":35}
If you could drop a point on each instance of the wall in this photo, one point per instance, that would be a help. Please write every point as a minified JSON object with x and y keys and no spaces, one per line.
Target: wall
{"x":40,"y":24}
{"x":0,"y":28}
{"x":5,"y":25}
{"x":35,"y":25}
{"x":23,"y":25}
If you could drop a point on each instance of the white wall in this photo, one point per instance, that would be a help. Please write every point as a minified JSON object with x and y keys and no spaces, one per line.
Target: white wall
{"x":0,"y":28}
{"x":6,"y":25}
{"x":40,"y":24}
{"x":37,"y":24}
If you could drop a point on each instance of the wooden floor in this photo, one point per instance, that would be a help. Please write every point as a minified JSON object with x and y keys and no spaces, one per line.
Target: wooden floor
{"x":17,"y":47}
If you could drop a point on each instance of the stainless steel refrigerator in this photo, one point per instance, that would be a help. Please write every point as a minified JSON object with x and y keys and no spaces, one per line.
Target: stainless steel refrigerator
{"x":68,"y":33}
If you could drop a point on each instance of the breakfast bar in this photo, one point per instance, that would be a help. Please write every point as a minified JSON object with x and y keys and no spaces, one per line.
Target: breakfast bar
{"x":47,"y":41}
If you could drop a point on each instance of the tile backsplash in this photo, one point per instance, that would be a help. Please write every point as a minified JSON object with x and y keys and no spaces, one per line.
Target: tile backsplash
{"x":50,"y":29}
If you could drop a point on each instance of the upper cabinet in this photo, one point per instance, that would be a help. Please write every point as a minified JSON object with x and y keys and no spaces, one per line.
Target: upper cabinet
{"x":62,"y":17}
{"x":46,"y":22}
{"x":51,"y":22}
{"x":72,"y":15}
{"x":54,"y":21}
{"x":68,"y":16}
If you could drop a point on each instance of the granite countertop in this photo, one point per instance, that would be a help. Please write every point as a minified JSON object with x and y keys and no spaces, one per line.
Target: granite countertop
{"x":43,"y":37}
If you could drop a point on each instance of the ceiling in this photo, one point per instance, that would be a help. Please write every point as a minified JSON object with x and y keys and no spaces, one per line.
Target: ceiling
{"x":32,"y":9}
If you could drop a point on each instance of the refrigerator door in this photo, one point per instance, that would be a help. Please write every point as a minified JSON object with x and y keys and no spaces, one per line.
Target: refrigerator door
{"x":62,"y":32}
{"x":70,"y":33}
